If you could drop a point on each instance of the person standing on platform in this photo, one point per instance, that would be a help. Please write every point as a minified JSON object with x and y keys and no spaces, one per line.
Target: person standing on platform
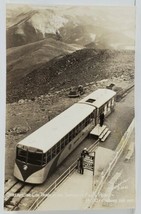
{"x":81,"y":164}
{"x":85,"y":152}
{"x":101,"y":119}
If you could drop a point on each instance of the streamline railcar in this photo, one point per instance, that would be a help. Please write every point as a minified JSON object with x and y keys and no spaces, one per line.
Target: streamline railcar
{"x":41,"y":152}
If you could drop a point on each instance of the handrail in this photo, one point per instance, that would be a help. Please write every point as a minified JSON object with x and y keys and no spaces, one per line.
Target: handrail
{"x":53,"y":186}
{"x":105,"y":174}
{"x":58,"y":181}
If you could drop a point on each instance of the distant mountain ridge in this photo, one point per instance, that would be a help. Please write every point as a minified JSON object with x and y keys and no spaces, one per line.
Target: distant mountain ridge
{"x":70,"y":25}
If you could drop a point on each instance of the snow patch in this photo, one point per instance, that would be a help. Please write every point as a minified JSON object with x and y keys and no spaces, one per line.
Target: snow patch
{"x":93,"y":36}
{"x":20,"y":31}
{"x":47,"y":23}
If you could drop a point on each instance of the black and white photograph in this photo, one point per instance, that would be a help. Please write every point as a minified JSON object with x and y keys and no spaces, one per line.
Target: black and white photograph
{"x":70,"y":110}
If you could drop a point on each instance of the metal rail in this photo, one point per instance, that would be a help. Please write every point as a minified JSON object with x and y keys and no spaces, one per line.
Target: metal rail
{"x":58,"y":181}
{"x":10,"y":201}
{"x":106,"y":173}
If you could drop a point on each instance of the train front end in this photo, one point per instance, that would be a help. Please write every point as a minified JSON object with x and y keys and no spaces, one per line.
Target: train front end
{"x":29,"y":164}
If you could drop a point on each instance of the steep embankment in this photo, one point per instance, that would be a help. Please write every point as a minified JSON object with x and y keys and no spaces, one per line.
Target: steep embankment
{"x":82,"y":66}
{"x":24,"y":59}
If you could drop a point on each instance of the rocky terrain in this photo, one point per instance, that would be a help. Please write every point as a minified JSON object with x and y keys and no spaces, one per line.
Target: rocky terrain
{"x":24,"y":59}
{"x":80,"y":67}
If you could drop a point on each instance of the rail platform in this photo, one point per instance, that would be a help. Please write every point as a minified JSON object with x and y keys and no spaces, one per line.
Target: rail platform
{"x":120,"y":186}
{"x":79,"y":191}
{"x":74,"y":192}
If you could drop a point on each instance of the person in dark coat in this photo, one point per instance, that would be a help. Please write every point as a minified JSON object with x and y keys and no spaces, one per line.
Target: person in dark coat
{"x":101,"y":119}
{"x":81,"y":164}
{"x":85,"y":152}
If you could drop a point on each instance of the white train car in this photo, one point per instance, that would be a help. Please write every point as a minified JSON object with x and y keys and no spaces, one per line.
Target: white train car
{"x":40,"y":153}
{"x":103,"y":100}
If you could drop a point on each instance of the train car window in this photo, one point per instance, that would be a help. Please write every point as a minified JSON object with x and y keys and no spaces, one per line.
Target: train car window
{"x":58,"y":147}
{"x":54,"y":151}
{"x":105,"y":109}
{"x":79,"y":128}
{"x":70,"y":137}
{"x":62,"y":143}
{"x":91,"y":116}
{"x":73,"y":133}
{"x":66,"y":139}
{"x":21,"y":154}
{"x":110,"y":102}
{"x":35,"y":158}
{"x":48,"y":156}
{"x":113,"y":101}
{"x":109,"y":105}
{"x":82,"y":124}
{"x":44,"y":158}
{"x":76,"y":130}
{"x":86,"y":122}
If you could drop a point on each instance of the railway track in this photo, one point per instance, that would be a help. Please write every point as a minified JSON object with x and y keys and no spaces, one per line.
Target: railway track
{"x":121,"y":94}
{"x":14,"y":192}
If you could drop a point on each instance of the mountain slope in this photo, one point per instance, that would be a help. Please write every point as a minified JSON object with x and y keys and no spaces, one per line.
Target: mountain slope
{"x":33,"y":26}
{"x":80,"y":67}
{"x":22,"y":60}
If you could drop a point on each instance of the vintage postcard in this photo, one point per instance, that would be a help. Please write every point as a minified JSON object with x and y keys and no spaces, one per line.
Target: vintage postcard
{"x":70,"y":130}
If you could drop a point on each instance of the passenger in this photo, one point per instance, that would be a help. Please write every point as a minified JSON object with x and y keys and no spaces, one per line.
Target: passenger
{"x":101,"y":119}
{"x":81,"y":164}
{"x":85,"y":152}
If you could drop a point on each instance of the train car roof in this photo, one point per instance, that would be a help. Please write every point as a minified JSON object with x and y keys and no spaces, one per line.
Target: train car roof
{"x":98,"y":97}
{"x":53,"y":131}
